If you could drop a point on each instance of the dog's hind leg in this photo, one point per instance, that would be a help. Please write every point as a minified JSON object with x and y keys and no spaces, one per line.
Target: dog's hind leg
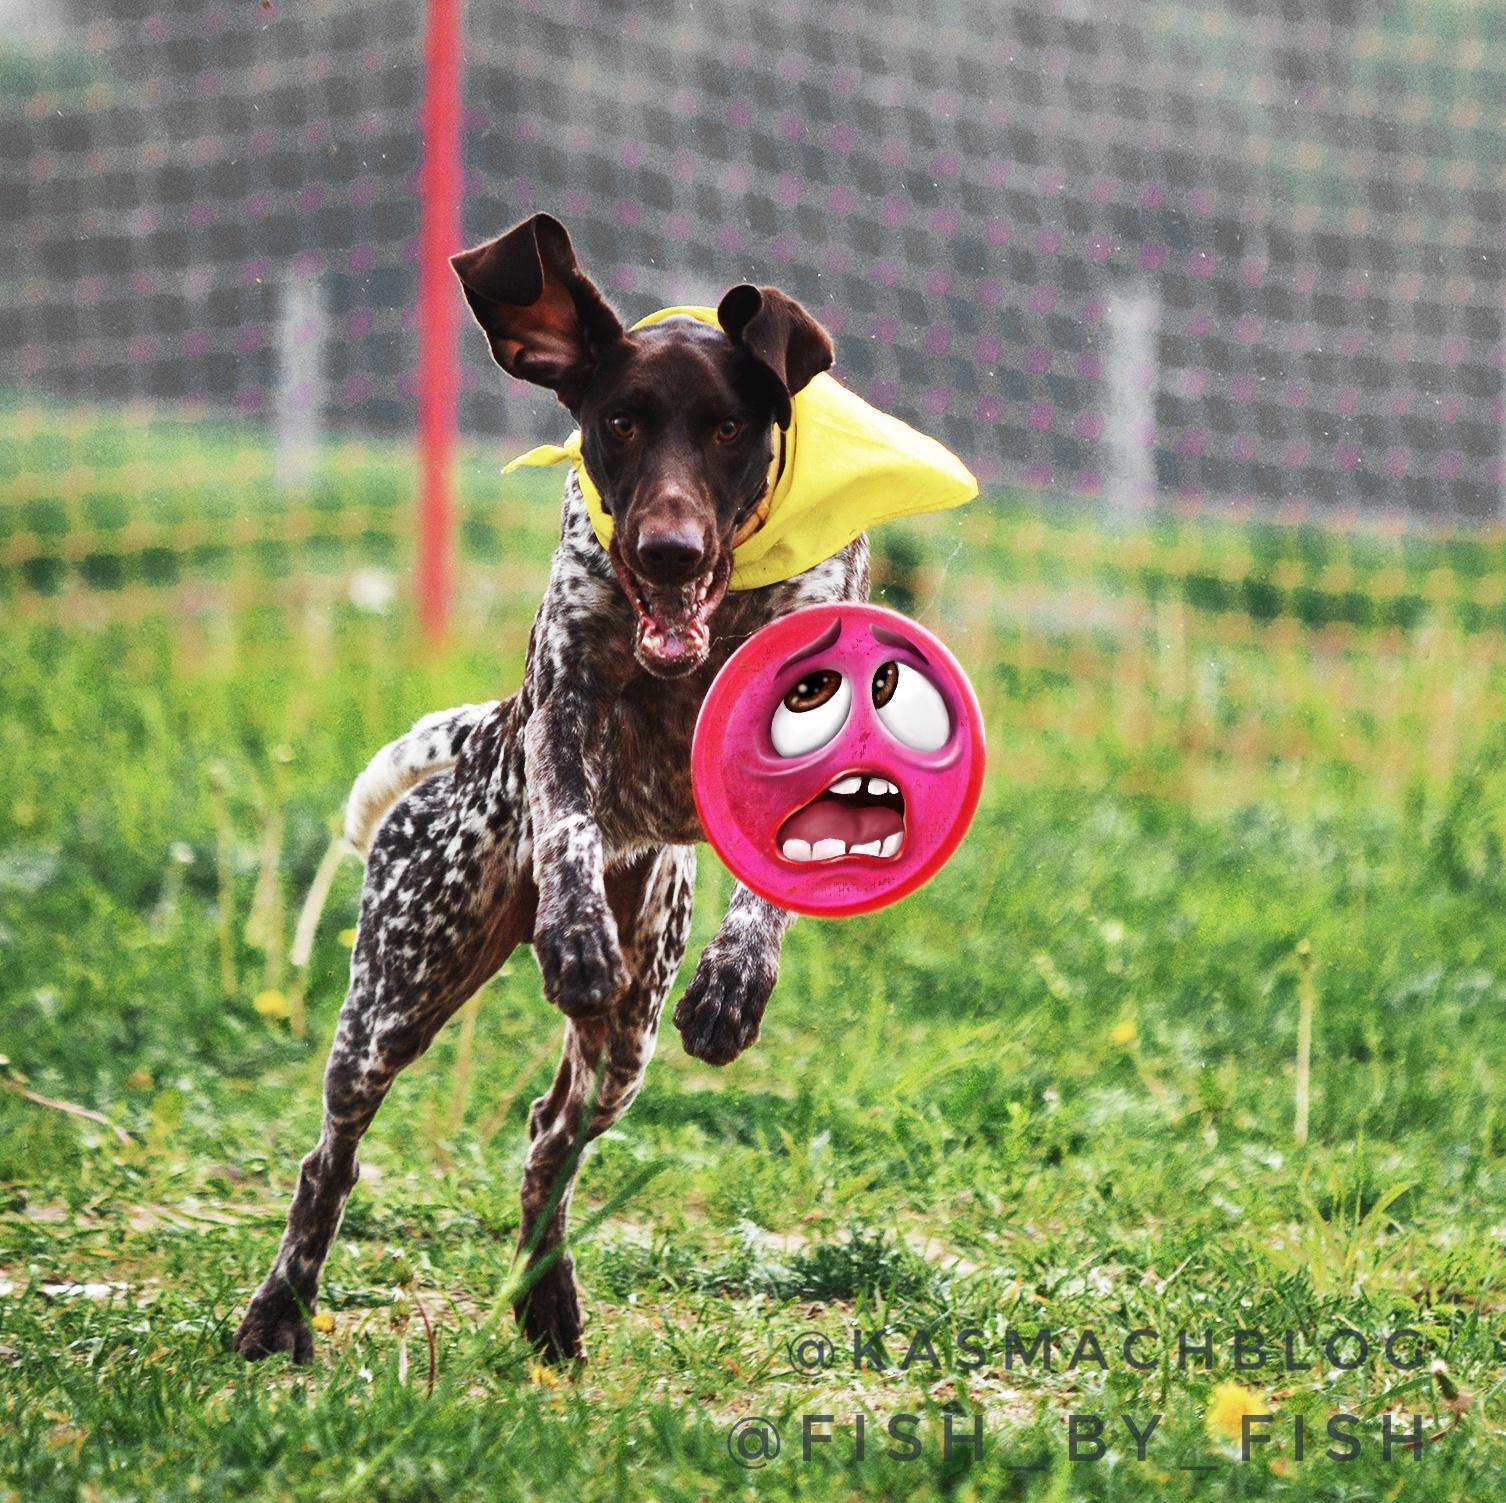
{"x":604,"y":1056}
{"x":444,"y":905}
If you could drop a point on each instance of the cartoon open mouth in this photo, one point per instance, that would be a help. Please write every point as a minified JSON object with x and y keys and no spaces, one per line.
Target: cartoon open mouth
{"x":861,"y":814}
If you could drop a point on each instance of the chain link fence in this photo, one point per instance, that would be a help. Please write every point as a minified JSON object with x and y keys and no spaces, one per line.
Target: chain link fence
{"x":1235,"y":258}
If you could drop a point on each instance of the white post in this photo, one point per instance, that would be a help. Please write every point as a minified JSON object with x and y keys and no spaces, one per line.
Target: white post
{"x":298,"y":420}
{"x":1130,"y":380}
{"x":33,"y":22}
{"x":1501,"y":451}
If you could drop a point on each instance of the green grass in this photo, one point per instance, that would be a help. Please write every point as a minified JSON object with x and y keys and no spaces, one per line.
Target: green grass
{"x":121,"y":504}
{"x":1055,"y":1088}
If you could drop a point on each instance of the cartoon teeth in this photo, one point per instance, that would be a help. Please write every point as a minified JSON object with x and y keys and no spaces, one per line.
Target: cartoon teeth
{"x":878,"y":787}
{"x":829,"y":850}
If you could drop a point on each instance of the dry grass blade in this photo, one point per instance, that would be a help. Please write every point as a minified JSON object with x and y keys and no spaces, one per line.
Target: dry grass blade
{"x":464,"y":1059}
{"x":493,"y":1123}
{"x":313,"y":904}
{"x":1307,"y":996}
{"x":72,"y":1109}
{"x":423,"y":1315}
{"x":224,"y":836}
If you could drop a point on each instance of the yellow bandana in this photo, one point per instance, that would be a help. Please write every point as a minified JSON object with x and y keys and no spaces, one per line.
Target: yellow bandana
{"x":847,"y":467}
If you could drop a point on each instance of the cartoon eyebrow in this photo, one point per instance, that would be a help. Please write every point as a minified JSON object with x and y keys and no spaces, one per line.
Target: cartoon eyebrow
{"x":893,"y":639}
{"x":821,"y":643}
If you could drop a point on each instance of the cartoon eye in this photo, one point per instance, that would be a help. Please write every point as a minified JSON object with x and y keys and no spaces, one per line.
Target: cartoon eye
{"x":911,"y":708}
{"x":811,"y":714}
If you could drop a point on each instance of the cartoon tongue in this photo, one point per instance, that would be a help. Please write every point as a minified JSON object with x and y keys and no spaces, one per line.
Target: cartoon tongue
{"x":827,"y":819}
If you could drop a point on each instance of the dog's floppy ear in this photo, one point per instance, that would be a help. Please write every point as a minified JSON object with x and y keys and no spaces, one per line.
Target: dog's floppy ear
{"x":780,"y":335}
{"x":542,"y":314}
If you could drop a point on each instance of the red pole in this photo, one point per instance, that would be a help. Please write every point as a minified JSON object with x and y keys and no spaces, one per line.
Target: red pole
{"x":440,"y":187}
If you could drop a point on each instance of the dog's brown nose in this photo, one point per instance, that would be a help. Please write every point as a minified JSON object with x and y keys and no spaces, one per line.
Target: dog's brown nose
{"x":672,"y":553}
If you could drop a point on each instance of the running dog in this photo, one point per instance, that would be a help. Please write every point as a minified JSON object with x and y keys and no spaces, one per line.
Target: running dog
{"x":563,"y":816}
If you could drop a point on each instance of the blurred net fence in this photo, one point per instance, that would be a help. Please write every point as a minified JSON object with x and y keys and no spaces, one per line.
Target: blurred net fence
{"x":1189,"y":264}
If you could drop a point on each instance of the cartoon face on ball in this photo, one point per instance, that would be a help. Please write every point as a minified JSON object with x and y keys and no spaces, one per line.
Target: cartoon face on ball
{"x":838,"y":759}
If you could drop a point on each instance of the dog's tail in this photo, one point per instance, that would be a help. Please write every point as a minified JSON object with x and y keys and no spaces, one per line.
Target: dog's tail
{"x":431,"y":746}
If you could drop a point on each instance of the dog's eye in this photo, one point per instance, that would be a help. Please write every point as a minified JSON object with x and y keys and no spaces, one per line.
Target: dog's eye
{"x":728,"y":429}
{"x":911,"y":708}
{"x":621,"y":425}
{"x":811,"y":714}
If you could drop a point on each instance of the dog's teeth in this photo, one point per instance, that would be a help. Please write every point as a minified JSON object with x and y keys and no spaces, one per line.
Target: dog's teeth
{"x":847,"y":785}
{"x":892,"y":844}
{"x":797,"y":850}
{"x":824,"y":850}
{"x":878,"y":785}
{"x":871,"y":849}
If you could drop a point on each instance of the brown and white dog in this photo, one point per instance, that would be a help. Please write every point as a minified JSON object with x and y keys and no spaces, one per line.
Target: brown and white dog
{"x":563,"y":816}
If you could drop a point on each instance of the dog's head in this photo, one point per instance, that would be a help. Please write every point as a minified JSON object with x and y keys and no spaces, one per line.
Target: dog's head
{"x":679,"y":421}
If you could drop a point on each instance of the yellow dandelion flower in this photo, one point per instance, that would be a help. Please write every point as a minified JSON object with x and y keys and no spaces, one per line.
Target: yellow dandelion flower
{"x":1226,"y":1412}
{"x":545,"y":1375}
{"x":323,"y":1322}
{"x":1123,"y":1033}
{"x":271,"y":1004}
{"x":348,"y":938}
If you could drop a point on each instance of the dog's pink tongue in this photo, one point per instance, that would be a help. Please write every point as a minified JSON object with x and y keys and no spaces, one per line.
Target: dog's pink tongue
{"x":673,"y":634}
{"x":671,"y":644}
{"x":666,"y":646}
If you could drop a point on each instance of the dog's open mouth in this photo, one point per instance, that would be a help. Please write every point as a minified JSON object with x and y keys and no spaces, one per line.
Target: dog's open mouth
{"x":674,"y":621}
{"x":861,"y":814}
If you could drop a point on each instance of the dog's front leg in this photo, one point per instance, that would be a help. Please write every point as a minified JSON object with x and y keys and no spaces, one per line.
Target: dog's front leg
{"x":574,"y":935}
{"x":719,"y":1015}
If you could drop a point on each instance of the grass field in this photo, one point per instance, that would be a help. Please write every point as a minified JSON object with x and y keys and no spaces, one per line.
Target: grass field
{"x":1054,"y":1089}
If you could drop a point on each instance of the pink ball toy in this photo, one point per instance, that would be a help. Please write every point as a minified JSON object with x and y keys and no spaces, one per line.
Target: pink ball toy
{"x":838,"y":759}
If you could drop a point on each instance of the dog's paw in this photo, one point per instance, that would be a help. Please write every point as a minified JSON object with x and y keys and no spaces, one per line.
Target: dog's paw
{"x":274,"y":1323}
{"x":581,"y":963}
{"x":550,"y":1315}
{"x":719,"y":1015}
